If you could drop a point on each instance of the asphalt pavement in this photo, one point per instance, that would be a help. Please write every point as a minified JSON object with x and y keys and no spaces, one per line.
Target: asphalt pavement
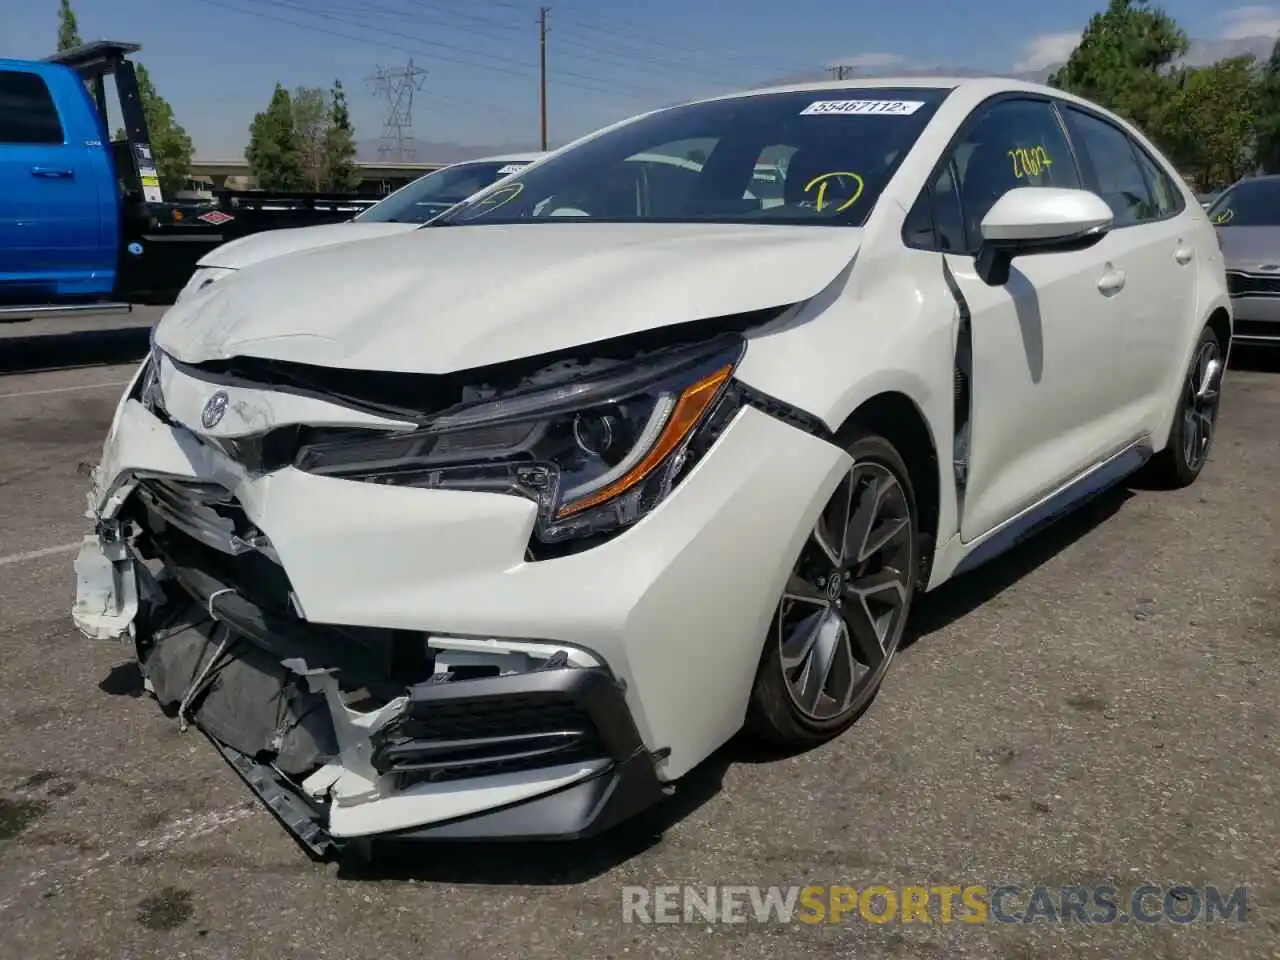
{"x":1098,"y":708}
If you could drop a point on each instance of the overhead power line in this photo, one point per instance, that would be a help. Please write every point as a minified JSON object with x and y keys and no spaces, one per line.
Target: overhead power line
{"x":372,"y":16}
{"x":440,"y":50}
{"x":582,"y":42}
{"x":578,"y":17}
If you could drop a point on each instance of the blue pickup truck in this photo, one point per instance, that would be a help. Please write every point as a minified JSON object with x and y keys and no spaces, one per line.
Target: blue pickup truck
{"x":60,"y":207}
{"x":67,"y":193}
{"x":84,"y":225}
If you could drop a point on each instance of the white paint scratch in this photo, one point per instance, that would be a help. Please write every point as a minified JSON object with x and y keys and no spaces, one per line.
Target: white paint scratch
{"x":77,"y":869}
{"x":189,"y":828}
{"x":38,"y":554}
{"x":52,"y":390}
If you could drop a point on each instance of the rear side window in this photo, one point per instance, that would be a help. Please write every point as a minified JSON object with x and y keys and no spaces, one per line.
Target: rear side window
{"x":1111,"y":162}
{"x":1164,"y":193}
{"x":27,"y":113}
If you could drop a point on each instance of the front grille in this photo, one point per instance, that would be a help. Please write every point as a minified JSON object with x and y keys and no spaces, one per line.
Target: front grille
{"x":485,"y":736}
{"x":203,"y":526}
{"x":1241,"y":284}
{"x":253,"y":594}
{"x":207,"y":511}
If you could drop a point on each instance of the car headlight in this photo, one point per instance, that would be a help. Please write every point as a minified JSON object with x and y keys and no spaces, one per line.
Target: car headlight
{"x":145,"y":385}
{"x":595,"y":453}
{"x":201,"y":278}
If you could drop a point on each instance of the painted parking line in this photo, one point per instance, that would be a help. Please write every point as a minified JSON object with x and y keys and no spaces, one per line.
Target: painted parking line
{"x":45,"y":393}
{"x":37,"y":554}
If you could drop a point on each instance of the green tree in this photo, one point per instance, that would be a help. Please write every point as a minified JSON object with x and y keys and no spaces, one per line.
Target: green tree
{"x":274,"y":155}
{"x":1217,"y":114}
{"x":68,"y":29}
{"x":1125,"y":62}
{"x":1267,"y":124}
{"x":340,"y":144}
{"x":310,"y":125}
{"x":170,"y":144}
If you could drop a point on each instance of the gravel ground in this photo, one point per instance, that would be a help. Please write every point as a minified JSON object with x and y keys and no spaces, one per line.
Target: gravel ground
{"x":1099,"y":707}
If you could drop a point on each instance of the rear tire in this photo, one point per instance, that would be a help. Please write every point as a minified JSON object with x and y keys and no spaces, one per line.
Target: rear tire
{"x":841,"y":616}
{"x":1195,"y":421}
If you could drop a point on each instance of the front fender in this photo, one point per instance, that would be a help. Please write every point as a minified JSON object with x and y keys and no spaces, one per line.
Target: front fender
{"x":835,"y":353}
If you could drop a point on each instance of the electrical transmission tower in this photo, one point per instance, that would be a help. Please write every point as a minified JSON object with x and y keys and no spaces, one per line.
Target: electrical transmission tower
{"x":396,"y":87}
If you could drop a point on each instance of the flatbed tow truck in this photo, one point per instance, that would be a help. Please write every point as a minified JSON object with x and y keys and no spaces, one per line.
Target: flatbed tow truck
{"x":84,"y":225}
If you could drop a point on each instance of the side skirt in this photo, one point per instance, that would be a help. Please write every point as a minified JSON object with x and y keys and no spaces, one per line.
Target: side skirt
{"x":1066,"y":499}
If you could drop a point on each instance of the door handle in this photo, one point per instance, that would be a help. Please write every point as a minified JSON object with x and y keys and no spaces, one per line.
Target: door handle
{"x":1183,"y":255}
{"x":1112,"y":282}
{"x":52,"y":172}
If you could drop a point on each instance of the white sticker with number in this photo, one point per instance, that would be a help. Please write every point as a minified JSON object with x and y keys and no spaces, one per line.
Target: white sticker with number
{"x":511,"y":168}
{"x":863,"y":108}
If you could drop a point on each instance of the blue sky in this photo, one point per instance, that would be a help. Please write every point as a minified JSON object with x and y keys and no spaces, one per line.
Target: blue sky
{"x":217,"y":61}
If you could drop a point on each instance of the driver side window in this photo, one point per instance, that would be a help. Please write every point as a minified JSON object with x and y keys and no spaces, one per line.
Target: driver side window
{"x":1008,"y":144}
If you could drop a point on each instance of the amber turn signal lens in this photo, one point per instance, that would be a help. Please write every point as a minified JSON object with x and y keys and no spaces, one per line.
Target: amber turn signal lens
{"x":689,"y":410}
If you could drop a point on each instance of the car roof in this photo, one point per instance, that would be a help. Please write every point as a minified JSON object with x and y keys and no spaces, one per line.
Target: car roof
{"x":982,"y":86}
{"x":507,"y":158}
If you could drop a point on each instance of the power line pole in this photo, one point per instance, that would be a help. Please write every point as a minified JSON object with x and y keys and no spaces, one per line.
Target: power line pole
{"x":542,"y":59}
{"x":397,"y":88}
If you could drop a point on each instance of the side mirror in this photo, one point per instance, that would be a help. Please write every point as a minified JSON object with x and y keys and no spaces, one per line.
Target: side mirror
{"x":1031,"y":220}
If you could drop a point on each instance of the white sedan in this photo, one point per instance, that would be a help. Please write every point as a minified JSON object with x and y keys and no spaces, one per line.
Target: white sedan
{"x":499,"y":528}
{"x":406,"y":209}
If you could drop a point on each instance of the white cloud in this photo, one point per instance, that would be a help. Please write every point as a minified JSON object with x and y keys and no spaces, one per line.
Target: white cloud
{"x":868,"y":60}
{"x":1047,"y":50}
{"x":1243,"y":23}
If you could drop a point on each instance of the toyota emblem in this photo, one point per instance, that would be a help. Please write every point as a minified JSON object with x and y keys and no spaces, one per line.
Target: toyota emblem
{"x":834,"y":586}
{"x":214,"y":410}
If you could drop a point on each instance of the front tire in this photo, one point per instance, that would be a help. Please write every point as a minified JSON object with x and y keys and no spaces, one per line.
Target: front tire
{"x":1196,"y":419}
{"x":841,"y":616}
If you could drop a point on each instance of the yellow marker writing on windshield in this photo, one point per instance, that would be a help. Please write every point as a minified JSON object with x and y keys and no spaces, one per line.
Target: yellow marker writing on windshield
{"x":1223,"y":217}
{"x":821,"y":182}
{"x":499,"y":198}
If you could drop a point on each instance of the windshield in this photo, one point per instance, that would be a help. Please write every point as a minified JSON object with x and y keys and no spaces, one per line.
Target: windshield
{"x":427,"y":196}
{"x":813,"y":157}
{"x":1250,"y":203}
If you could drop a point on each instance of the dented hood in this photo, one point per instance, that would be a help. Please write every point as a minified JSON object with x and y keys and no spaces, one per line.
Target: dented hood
{"x":442,"y":299}
{"x":256,"y":247}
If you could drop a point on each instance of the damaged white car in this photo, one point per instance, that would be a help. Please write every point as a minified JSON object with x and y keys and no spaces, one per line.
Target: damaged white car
{"x":498,"y":528}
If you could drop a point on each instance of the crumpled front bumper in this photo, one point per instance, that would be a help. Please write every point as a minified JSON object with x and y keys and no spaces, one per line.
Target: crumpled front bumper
{"x":622,"y":667}
{"x":551,"y":752}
